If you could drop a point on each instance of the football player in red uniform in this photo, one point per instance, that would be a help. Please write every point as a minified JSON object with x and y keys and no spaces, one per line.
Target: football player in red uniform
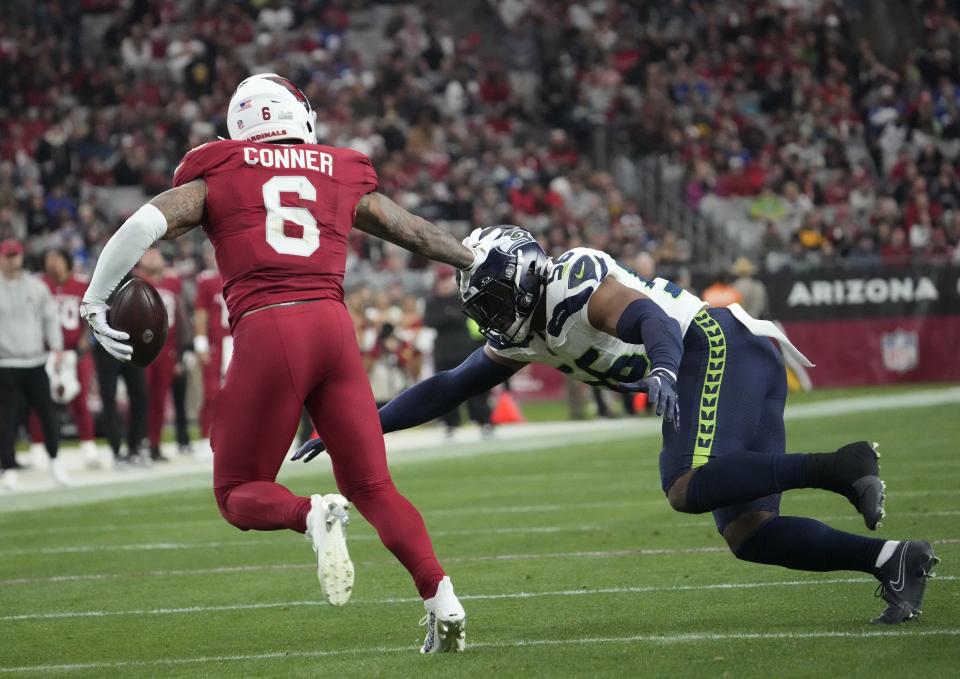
{"x":212,"y":341}
{"x":278,"y":208}
{"x":67,"y":288}
{"x":153,"y":269}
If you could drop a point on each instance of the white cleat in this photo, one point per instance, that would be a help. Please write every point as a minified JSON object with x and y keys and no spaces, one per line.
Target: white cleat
{"x":202,"y":452}
{"x":327,"y":530}
{"x":58,"y":474}
{"x":91,"y":456}
{"x":446,"y":622}
{"x":8,"y":480}
{"x":38,"y":456}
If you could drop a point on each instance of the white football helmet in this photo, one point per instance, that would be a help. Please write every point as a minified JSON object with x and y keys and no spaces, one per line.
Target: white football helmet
{"x":268,"y":107}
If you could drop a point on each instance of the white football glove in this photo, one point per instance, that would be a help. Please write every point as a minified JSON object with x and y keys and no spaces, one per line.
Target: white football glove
{"x":95,"y":314}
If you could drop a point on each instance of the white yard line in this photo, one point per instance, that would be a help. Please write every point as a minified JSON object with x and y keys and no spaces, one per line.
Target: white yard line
{"x":192,"y":509}
{"x":429,"y":444}
{"x":60,"y":615}
{"x":683,"y":638}
{"x":166,"y":573}
{"x":271,"y":567}
{"x":133,"y":547}
{"x":898,"y":494}
{"x":256,"y":568}
{"x":534,"y":509}
{"x":656,"y":498}
{"x":176,"y":546}
{"x":451,"y":511}
{"x":863,"y":404}
{"x":364,"y":537}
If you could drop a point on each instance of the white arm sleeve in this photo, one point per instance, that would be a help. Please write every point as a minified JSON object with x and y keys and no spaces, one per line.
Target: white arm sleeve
{"x":124,"y":249}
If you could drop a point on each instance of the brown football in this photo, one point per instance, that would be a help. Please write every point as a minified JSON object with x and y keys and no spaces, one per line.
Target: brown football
{"x":137,"y":309}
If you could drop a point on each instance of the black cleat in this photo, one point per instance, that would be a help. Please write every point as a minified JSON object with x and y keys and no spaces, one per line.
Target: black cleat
{"x":903,"y":579}
{"x":856,"y":475}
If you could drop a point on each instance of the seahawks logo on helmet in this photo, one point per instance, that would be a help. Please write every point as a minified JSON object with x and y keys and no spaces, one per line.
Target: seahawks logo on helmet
{"x":504,"y":291}
{"x":513,"y":236}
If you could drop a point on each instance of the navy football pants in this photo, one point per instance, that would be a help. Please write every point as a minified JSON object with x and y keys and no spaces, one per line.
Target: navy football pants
{"x":732,"y":389}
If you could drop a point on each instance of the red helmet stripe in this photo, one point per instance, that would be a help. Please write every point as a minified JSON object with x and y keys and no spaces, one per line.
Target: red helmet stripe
{"x":294,"y":90}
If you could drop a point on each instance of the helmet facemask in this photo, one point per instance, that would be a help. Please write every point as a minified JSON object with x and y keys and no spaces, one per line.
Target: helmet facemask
{"x":504,"y":293}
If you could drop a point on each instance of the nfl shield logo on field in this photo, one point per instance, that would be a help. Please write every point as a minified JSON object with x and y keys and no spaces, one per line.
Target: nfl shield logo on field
{"x":901,"y":350}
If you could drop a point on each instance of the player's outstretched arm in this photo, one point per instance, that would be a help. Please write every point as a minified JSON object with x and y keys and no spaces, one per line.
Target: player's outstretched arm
{"x":379,"y":216}
{"x":623,"y":312}
{"x":169,"y":215}
{"x":481,"y":371}
{"x":428,"y":400}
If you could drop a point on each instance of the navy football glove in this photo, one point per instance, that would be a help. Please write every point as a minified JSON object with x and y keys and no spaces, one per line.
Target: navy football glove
{"x":309,"y":450}
{"x":661,"y":388}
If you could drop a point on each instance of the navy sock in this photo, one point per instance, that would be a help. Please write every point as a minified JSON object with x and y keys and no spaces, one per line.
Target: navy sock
{"x":745,"y":476}
{"x":808,"y":545}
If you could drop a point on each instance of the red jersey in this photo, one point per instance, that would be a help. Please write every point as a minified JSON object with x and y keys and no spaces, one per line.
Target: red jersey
{"x":68,"y":296}
{"x":278,"y":217}
{"x":210,"y":299}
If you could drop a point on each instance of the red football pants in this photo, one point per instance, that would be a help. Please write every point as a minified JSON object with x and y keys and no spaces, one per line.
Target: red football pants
{"x":159,"y":382}
{"x":211,"y":389}
{"x":78,"y":407}
{"x":284,"y":358}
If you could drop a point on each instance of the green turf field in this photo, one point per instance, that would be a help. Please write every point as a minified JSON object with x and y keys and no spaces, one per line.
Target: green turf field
{"x":569,"y":562}
{"x":550,"y":410}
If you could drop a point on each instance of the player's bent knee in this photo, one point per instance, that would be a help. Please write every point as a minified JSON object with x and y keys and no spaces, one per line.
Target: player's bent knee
{"x":677,"y":493}
{"x":358,"y":491}
{"x":741,"y":529}
{"x":222,"y":495}
{"x":678,"y":501}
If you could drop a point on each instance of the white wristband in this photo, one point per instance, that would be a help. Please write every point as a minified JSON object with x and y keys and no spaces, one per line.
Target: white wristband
{"x":201,"y":344}
{"x":669,"y":372}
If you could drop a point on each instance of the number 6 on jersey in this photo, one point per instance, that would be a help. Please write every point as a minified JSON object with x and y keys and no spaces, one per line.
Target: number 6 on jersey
{"x":306,"y":244}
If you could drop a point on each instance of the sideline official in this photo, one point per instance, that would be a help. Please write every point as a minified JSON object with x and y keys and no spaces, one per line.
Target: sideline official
{"x":29,"y":326}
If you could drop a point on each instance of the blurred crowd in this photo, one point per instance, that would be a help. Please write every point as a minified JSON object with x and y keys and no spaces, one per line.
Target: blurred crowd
{"x":794,"y":135}
{"x":456,"y":136}
{"x":771,"y":106}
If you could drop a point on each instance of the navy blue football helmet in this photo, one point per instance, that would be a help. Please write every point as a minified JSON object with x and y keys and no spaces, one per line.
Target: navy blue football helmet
{"x":502,"y":293}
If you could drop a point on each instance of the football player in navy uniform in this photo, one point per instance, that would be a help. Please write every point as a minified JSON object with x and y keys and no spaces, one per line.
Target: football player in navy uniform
{"x":714,"y":376}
